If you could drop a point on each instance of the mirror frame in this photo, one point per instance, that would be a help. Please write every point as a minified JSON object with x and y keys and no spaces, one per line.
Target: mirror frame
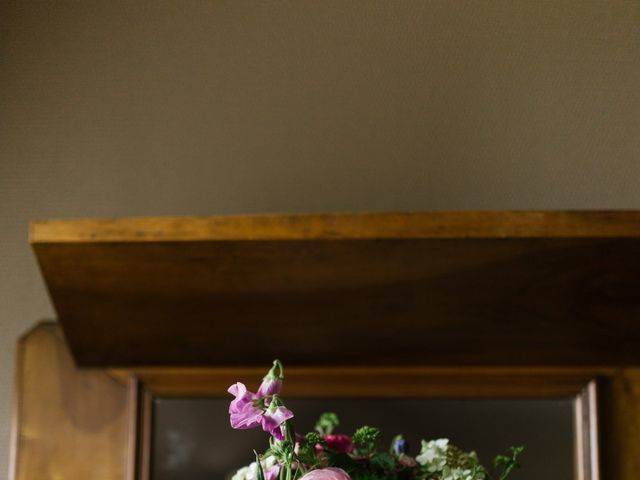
{"x":395,"y":382}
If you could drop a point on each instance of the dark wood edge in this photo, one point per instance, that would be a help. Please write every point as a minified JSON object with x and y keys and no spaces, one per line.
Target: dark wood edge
{"x":139,"y":433}
{"x":146,"y":420}
{"x":133,"y":395}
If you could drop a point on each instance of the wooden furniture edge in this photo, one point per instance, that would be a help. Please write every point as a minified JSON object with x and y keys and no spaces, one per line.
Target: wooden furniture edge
{"x":344,"y":226}
{"x":578,"y":383}
{"x":375,"y":381}
{"x":63,"y":414}
{"x":618,"y":395}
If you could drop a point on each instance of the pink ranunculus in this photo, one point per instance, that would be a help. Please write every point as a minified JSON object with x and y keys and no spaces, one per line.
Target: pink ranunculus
{"x":341,"y":443}
{"x":330,"y":473}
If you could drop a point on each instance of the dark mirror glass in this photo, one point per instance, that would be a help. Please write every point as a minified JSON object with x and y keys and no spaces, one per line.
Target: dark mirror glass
{"x":192,"y":439}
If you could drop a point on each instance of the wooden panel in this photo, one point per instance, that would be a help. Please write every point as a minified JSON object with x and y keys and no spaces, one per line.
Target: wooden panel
{"x":507,"y":301}
{"x":68,"y":424}
{"x":620,"y":420}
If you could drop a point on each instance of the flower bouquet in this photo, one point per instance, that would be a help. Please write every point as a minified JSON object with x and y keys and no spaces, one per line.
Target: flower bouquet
{"x":326,"y":455}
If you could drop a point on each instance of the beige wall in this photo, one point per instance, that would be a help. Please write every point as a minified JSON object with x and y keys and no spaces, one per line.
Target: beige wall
{"x":147,"y":108}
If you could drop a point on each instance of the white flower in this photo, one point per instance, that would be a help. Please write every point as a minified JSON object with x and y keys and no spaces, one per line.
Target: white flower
{"x":243,"y":473}
{"x":433,"y":455}
{"x":459,"y":474}
{"x":440,"y":461}
{"x":250,"y":472}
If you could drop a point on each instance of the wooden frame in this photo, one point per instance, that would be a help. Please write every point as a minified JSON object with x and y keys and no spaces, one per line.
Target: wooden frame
{"x":511,"y":304}
{"x":109,"y":411}
{"x":414,"y":382}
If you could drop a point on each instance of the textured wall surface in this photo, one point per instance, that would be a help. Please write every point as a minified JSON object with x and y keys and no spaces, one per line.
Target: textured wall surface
{"x":211,"y":107}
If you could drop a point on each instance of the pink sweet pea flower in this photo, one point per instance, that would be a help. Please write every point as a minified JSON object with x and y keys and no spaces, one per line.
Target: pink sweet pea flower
{"x":272,"y":382}
{"x":243,"y":397}
{"x":243,"y":413}
{"x":273,"y":418}
{"x":269,"y":386}
{"x":327,"y":474}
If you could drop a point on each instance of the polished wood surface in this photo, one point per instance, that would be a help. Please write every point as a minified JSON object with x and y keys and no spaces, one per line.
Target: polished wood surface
{"x":483,"y":288}
{"x":69,"y":423}
{"x":504,"y":224}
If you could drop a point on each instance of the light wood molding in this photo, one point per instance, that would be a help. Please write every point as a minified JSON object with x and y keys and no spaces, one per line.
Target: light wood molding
{"x":354,"y":226}
{"x":68,"y":423}
{"x":436,"y":382}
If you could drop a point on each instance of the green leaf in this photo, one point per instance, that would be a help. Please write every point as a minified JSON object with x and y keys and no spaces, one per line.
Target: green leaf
{"x":260,"y":471}
{"x":343,"y":461}
{"x":327,"y":423}
{"x":366,"y":438}
{"x":307,"y":449}
{"x":508,"y":463}
{"x":383,"y":461}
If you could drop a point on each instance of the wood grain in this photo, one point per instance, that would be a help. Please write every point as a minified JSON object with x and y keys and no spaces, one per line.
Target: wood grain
{"x":64,"y":415}
{"x":519,"y":224}
{"x":620,"y":425}
{"x":69,"y":424}
{"x":507,"y":301}
{"x":379,"y":382}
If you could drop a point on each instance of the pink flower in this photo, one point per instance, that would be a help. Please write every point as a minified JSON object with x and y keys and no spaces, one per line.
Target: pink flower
{"x":327,"y":474}
{"x":273,"y":418}
{"x":244,"y":412}
{"x":270,"y":386}
{"x":339,"y":442}
{"x":272,"y":473}
{"x":272,"y":382}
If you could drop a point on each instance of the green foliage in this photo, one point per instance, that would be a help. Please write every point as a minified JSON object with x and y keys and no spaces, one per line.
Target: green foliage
{"x":283,"y":451}
{"x":365,"y":438}
{"x":508,"y":462}
{"x":343,"y":461}
{"x":307,"y":449}
{"x":370,"y":475}
{"x":327,"y":423}
{"x":260,"y":471}
{"x":381,"y":466}
{"x":383,"y":461}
